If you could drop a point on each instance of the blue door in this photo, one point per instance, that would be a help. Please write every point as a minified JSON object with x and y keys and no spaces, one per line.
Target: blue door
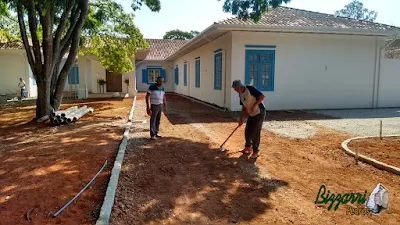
{"x":260,"y":69}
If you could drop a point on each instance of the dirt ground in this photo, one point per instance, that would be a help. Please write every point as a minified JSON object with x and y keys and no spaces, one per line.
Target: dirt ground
{"x":183,"y":179}
{"x":43,"y":167}
{"x":386,"y":150}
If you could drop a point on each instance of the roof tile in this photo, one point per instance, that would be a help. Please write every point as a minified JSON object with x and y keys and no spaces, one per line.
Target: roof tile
{"x":15,"y":45}
{"x":290,"y":17}
{"x":160,"y":49}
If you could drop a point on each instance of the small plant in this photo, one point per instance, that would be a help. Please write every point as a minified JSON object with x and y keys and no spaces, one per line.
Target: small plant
{"x":127,"y":84}
{"x":101,"y":83}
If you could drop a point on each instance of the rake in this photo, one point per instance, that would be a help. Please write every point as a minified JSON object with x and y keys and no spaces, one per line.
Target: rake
{"x":221,"y":148}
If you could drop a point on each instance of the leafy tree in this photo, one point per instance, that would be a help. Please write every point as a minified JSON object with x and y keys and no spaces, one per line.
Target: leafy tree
{"x":180,"y":35}
{"x":62,"y":28}
{"x":55,"y":28}
{"x":252,"y":9}
{"x":356,"y":10}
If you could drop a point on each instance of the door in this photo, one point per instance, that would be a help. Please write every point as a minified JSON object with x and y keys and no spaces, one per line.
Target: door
{"x":260,"y":69}
{"x":114,"y":82}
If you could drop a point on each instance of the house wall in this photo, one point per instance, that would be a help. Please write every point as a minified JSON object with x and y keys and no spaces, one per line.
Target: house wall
{"x":206,"y":92}
{"x":97,"y":72}
{"x":14,"y":65}
{"x":312,"y":71}
{"x":143,"y":87}
{"x":389,"y":90}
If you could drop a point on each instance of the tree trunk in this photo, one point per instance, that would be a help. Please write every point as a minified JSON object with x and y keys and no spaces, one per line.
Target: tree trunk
{"x":43,"y":106}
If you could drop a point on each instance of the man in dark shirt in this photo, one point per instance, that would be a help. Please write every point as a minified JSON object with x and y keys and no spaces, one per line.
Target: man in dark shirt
{"x":251,"y":100}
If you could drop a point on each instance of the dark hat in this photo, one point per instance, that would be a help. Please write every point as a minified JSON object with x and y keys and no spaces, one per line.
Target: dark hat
{"x":237,"y":83}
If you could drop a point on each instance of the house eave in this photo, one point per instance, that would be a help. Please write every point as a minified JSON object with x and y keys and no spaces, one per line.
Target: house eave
{"x":319,"y":30}
{"x":189,"y":45}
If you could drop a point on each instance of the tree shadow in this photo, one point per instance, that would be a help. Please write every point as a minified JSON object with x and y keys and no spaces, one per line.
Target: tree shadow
{"x":200,"y":113}
{"x":43,"y":166}
{"x":184,"y":182}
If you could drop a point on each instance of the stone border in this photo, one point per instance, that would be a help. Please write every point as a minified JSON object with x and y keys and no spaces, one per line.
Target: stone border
{"x":366,"y":159}
{"x":106,"y":208}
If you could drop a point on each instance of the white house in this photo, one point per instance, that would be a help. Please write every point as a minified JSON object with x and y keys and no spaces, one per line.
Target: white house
{"x":151,"y":63}
{"x":14,"y":65}
{"x":299,"y":59}
{"x":82,"y":79}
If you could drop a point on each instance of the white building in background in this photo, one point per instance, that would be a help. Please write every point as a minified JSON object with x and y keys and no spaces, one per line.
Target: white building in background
{"x":299,"y":59}
{"x":82,"y":79}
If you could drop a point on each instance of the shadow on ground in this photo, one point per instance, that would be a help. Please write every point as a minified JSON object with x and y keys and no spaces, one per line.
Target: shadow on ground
{"x":206,"y":114}
{"x":183,"y":182}
{"x":44,"y":166}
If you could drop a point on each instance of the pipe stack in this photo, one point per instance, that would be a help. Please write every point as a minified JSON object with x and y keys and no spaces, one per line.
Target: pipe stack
{"x":69,"y":115}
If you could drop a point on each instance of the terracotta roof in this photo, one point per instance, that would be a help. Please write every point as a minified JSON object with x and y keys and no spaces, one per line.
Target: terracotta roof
{"x":15,"y":45}
{"x":160,"y":49}
{"x":392,"y":51}
{"x":290,"y":17}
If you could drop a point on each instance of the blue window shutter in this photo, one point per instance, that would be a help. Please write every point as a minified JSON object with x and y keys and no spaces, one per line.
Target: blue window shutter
{"x":218,"y":71}
{"x":164,"y":75}
{"x":77,"y":75}
{"x":198,"y":73}
{"x":185,"y":74}
{"x":177,"y":75}
{"x":145,"y":76}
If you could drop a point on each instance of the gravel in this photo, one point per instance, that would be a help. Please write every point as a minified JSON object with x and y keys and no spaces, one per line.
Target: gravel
{"x":362,"y":122}
{"x":290,"y":129}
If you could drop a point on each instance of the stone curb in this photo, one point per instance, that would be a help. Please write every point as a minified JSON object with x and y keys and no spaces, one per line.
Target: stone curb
{"x":366,"y":159}
{"x":106,"y":208}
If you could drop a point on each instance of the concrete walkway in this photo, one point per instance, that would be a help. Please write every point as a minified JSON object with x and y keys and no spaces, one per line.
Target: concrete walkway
{"x":362,"y":122}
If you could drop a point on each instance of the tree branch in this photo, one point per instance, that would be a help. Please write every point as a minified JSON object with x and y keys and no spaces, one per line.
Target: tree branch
{"x":61,"y":28}
{"x":48,"y":23}
{"x":75,"y":37}
{"x":35,"y":41}
{"x":25,"y":40}
{"x":73,"y":20}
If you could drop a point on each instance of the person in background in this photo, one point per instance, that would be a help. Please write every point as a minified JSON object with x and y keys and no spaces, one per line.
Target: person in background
{"x":155,"y":104}
{"x":22,"y":86}
{"x":251,"y":100}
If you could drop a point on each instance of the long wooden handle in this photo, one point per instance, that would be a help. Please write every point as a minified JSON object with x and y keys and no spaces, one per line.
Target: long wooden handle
{"x":230,"y":136}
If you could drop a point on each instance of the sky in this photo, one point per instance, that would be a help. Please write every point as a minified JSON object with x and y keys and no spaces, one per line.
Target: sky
{"x":200,"y":14}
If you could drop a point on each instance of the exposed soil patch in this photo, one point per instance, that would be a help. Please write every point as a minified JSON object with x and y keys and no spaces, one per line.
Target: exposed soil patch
{"x":183,"y":179}
{"x":42,"y":167}
{"x":386,"y":150}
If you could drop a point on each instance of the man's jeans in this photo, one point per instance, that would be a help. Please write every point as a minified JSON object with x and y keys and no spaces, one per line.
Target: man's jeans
{"x":155,"y":119}
{"x":253,"y":130}
{"x":23,"y":93}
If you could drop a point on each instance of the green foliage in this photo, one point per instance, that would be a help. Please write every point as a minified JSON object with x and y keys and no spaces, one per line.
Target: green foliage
{"x":9,"y":30}
{"x":111,"y":36}
{"x":356,"y":10}
{"x":101,"y":82}
{"x":252,"y":9}
{"x":180,"y":35}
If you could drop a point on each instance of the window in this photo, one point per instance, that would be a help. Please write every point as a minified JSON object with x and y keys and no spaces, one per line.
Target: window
{"x":185,"y":74}
{"x":177,"y":75}
{"x":73,"y":75}
{"x":260,"y":69}
{"x":218,"y":71}
{"x":197,"y":72}
{"x":153,"y":75}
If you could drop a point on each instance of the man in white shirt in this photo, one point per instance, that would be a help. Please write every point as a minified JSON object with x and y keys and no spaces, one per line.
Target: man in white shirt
{"x":22,"y":86}
{"x":156,"y":103}
{"x":251,"y":100}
